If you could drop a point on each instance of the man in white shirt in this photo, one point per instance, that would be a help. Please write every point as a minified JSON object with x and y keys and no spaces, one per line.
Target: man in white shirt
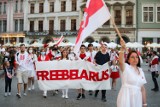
{"x":21,"y":59}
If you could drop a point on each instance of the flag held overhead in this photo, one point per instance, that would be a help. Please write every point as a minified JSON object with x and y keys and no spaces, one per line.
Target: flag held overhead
{"x":95,"y":15}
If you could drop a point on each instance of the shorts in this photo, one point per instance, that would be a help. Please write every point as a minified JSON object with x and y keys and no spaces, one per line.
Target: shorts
{"x":31,"y":73}
{"x":22,"y":77}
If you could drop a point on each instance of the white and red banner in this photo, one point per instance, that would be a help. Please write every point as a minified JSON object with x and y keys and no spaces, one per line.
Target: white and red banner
{"x":73,"y":75}
{"x":95,"y":15}
{"x":60,"y":40}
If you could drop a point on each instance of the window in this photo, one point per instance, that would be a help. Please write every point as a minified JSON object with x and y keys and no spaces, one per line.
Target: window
{"x":40,"y":7}
{"x":4,"y":25}
{"x":31,"y":26}
{"x":51,"y":6}
{"x":147,"y":14}
{"x":32,"y":8}
{"x":158,"y":14}
{"x":73,"y":25}
{"x":0,"y":8}
{"x":74,"y":5}
{"x":16,"y":6}
{"x":40,"y":26}
{"x":129,"y":17}
{"x":63,"y":6}
{"x":16,"y":25}
{"x":4,"y":8}
{"x":21,"y":10}
{"x":63,"y":25}
{"x":118,"y":17}
{"x":21,"y":25}
{"x":21,"y":39}
{"x":51,"y":26}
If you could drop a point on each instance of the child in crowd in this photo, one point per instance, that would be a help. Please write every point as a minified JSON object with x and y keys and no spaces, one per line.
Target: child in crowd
{"x":114,"y":73}
{"x":64,"y":56}
{"x":8,"y":70}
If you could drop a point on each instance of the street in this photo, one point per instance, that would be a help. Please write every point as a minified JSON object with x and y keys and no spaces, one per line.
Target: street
{"x":35,"y":99}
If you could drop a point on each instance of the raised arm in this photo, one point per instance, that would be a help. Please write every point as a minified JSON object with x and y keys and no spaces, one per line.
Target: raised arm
{"x":121,"y":55}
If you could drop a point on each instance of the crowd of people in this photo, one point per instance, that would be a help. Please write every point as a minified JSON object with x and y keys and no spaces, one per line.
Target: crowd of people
{"x":124,"y":63}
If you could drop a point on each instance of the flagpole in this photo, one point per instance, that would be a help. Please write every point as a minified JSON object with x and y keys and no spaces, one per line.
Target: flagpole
{"x":119,"y":34}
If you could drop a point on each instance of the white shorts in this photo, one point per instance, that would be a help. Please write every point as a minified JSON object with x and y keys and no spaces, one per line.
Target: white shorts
{"x":31,"y":73}
{"x":22,"y":77}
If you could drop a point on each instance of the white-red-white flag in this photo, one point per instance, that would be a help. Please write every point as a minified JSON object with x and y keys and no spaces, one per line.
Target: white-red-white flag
{"x":60,"y":40}
{"x":95,"y":15}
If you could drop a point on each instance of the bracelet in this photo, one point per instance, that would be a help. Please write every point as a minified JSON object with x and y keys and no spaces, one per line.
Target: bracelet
{"x":145,"y":104}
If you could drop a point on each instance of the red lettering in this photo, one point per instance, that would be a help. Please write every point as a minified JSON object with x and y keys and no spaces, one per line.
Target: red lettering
{"x":105,"y":75}
{"x":92,"y":76}
{"x":59,"y":75}
{"x":42,"y":75}
{"x":84,"y":75}
{"x":74,"y":74}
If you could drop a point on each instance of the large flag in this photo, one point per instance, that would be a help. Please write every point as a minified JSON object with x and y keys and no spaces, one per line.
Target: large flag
{"x":95,"y":15}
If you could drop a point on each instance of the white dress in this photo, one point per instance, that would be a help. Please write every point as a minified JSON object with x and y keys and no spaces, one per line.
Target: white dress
{"x":130,"y":93}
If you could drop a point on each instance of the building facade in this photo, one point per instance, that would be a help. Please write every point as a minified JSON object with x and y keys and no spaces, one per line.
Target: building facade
{"x":148,"y":23}
{"x":41,"y":20}
{"x":11,"y":21}
{"x":45,"y":19}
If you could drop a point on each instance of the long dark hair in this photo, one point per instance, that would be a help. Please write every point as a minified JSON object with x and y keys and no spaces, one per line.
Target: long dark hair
{"x":128,"y":56}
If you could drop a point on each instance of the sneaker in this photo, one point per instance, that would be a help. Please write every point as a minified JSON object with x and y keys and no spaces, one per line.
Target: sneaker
{"x":90,"y":92}
{"x":32,"y":87}
{"x":63,"y":96}
{"x":29,"y":89}
{"x":56,"y":91}
{"x":25,"y":94}
{"x":79,"y":96}
{"x":9,"y":94}
{"x":66,"y":96}
{"x":83,"y":96}
{"x":18,"y":95}
{"x":104,"y":99}
{"x":44,"y":95}
{"x":155,"y":89}
{"x":5,"y":94}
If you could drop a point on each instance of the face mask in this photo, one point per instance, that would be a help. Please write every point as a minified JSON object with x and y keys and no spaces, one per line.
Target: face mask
{"x":30,"y":51}
{"x":43,"y":53}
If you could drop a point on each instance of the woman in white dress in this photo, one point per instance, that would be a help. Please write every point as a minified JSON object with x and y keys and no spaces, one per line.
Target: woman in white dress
{"x":32,"y":58}
{"x":132,"y":92}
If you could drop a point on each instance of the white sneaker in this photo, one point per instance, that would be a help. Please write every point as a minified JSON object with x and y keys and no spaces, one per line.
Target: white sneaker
{"x":18,"y":95}
{"x":29,"y":89}
{"x":63,"y":96}
{"x":32,"y":87}
{"x":44,"y":95}
{"x":5,"y":94}
{"x":9,"y":94}
{"x":25,"y":94}
{"x":66,"y":96}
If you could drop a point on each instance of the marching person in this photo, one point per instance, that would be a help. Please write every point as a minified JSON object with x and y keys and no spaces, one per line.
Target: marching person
{"x":101,"y":58}
{"x":31,"y":73}
{"x":114,"y":73}
{"x":154,"y":69}
{"x":21,"y":60}
{"x":91,"y":53}
{"x":64,"y":56}
{"x":43,"y":57}
{"x":84,"y":56}
{"x":132,"y":92}
{"x":8,"y":70}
